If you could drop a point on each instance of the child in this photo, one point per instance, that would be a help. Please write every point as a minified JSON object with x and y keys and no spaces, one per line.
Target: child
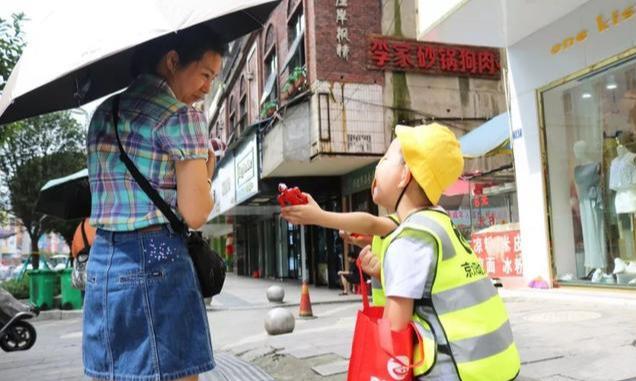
{"x":428,"y":271}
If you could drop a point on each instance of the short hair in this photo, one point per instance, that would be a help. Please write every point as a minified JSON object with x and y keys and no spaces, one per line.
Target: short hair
{"x":191,"y":44}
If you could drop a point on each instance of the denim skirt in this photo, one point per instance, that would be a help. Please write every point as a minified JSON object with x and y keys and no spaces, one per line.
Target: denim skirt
{"x":144,"y":317}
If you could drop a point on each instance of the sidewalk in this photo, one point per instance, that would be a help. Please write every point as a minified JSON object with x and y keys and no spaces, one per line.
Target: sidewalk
{"x":240,"y":292}
{"x":562,"y":334}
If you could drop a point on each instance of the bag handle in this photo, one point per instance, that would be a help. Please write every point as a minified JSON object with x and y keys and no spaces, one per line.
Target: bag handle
{"x":176,"y":224}
{"x":386,"y":342}
{"x":363,"y":287}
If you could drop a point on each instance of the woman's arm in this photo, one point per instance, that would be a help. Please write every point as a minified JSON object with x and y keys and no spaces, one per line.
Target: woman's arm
{"x":356,"y":222}
{"x":194,"y":199}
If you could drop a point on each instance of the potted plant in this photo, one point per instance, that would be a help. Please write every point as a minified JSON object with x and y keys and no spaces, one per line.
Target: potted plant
{"x":268,"y":109}
{"x":299,"y":78}
{"x":288,"y":91}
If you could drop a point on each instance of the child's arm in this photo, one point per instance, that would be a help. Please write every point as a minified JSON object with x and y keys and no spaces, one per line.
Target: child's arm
{"x":399,"y":312}
{"x":357,"y":222}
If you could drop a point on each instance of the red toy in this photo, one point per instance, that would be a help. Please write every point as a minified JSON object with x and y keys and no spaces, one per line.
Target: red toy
{"x":291,"y":196}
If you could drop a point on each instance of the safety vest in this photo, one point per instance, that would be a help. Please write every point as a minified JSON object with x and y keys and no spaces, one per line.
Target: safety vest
{"x":377,"y":294}
{"x":461,"y":314}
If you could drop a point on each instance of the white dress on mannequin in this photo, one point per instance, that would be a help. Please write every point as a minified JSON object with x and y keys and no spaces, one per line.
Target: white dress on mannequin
{"x":622,"y":179}
{"x":587,"y":177}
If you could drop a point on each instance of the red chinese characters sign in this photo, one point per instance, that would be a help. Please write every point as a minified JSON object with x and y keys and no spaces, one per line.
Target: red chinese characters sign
{"x":392,"y":54}
{"x":499,"y":252}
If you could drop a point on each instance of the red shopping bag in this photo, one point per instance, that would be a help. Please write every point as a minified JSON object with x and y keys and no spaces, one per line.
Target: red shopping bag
{"x":377,"y":352}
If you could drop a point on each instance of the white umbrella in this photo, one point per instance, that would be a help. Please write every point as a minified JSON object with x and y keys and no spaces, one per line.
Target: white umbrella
{"x":82,"y":53}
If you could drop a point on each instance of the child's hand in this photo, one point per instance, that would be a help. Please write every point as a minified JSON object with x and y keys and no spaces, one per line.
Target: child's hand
{"x":308,"y":214}
{"x":359,"y":240}
{"x":369,"y":262}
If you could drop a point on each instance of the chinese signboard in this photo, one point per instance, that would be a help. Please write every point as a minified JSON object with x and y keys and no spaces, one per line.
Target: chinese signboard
{"x":342,"y":31}
{"x":395,"y":54}
{"x":224,"y":186}
{"x":341,"y":28}
{"x":359,"y":143}
{"x":499,"y":252}
{"x":246,"y":167}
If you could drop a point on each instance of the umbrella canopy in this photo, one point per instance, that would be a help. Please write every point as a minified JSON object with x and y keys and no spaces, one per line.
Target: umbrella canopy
{"x":491,"y":138}
{"x":84,"y":53}
{"x":67,"y":198}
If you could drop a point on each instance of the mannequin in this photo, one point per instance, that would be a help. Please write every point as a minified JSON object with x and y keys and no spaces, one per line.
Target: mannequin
{"x":587,"y":176}
{"x":622,"y":180}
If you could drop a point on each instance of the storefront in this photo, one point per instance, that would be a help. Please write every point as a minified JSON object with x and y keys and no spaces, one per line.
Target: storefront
{"x":572,"y":85}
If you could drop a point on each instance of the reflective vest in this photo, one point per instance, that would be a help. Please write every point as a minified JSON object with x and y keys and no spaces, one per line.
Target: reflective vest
{"x":461,"y":313}
{"x":377,"y":294}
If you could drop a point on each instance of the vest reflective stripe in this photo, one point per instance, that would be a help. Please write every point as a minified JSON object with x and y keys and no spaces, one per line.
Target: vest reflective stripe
{"x":470,"y":322}
{"x":464,"y":296}
{"x":490,"y":368}
{"x":477,"y":348}
{"x":448,"y":250}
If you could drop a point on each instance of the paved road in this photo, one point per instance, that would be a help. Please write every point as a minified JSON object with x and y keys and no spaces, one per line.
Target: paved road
{"x":561,"y":336}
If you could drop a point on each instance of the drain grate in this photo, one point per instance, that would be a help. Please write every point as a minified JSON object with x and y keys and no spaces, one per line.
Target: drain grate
{"x":231,"y":368}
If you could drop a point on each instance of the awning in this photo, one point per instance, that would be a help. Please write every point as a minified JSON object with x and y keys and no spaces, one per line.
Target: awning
{"x":491,"y":138}
{"x":461,"y":187}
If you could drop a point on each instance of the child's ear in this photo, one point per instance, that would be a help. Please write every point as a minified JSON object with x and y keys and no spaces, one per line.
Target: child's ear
{"x":406,"y":177}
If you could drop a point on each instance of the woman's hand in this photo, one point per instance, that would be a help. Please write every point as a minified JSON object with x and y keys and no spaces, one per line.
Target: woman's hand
{"x":369,"y":262}
{"x":355,"y":239}
{"x":307,"y":214}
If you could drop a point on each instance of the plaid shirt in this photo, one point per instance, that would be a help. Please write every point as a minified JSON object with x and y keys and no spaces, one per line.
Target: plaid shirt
{"x":156,"y":130}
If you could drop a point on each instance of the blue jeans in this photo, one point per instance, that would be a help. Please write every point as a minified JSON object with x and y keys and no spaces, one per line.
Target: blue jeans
{"x":144,"y":317}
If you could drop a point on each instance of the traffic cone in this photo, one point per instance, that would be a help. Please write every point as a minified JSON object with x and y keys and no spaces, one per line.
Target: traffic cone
{"x":305,"y":303}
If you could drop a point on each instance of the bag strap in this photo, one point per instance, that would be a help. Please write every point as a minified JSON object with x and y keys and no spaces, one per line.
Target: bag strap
{"x":176,"y":224}
{"x":363,"y":287}
{"x":84,"y":238}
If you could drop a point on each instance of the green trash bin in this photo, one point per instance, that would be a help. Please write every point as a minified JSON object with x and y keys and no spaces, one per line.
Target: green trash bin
{"x":42,"y":285}
{"x":71,"y":297}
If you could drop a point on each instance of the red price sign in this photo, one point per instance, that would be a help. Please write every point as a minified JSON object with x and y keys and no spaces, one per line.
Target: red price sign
{"x":499,"y":252}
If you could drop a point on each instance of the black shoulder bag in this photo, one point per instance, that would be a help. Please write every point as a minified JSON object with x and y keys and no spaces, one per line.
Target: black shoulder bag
{"x":209,"y":265}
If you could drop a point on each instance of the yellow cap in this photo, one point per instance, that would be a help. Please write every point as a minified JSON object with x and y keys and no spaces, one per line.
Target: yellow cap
{"x":433,"y":155}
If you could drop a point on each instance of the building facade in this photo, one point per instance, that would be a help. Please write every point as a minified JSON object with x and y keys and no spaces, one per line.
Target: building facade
{"x":310,"y":102}
{"x":571,"y":81}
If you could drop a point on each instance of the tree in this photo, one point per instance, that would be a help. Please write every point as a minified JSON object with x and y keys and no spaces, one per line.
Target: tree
{"x":11,"y":45}
{"x":34,"y":151}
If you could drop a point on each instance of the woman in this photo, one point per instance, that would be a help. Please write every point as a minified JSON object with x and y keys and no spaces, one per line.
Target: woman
{"x":144,"y":317}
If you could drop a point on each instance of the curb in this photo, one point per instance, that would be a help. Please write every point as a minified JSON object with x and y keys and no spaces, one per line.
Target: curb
{"x":59,"y":315}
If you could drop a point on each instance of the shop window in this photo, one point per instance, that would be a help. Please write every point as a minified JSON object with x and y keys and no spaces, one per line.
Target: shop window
{"x":295,"y":59}
{"x":484,"y":209}
{"x":270,"y":69}
{"x":232,"y":118}
{"x":243,"y":107}
{"x":589,"y":126}
{"x":218,"y":130}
